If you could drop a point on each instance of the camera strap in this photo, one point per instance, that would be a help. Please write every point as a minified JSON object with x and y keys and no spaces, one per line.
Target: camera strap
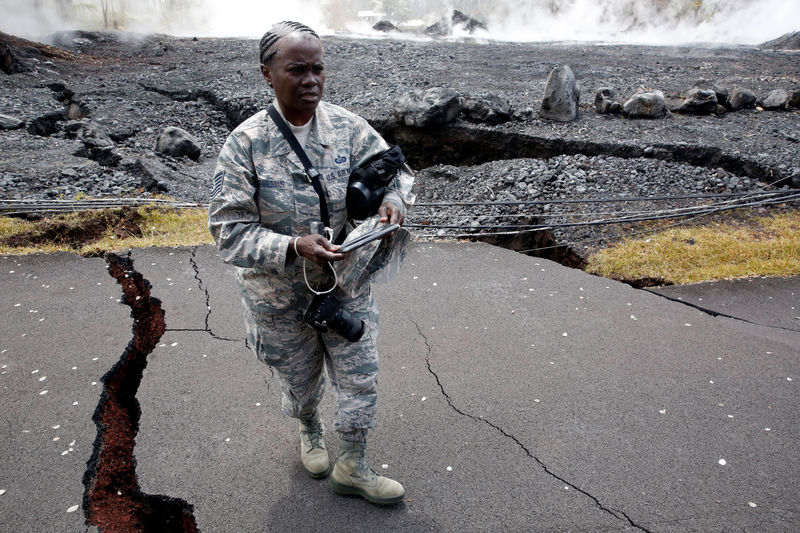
{"x":312,"y":173}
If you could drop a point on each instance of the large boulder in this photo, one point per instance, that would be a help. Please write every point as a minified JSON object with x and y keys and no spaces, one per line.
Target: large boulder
{"x":722,"y":93}
{"x":645,"y":104}
{"x":487,"y":108}
{"x":698,"y":101}
{"x":605,"y":101}
{"x":10,"y":123}
{"x":775,"y":100}
{"x":561,"y":95}
{"x":437,"y":105}
{"x":741,"y":98}
{"x":177,"y":142}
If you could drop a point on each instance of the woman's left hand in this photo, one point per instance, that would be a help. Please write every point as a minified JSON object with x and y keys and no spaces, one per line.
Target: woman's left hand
{"x":391,"y":213}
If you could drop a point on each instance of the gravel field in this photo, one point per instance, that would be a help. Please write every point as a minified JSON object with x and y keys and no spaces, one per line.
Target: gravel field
{"x":131,"y":87}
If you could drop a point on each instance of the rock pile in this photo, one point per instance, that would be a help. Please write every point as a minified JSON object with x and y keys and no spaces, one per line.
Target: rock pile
{"x":702,"y":98}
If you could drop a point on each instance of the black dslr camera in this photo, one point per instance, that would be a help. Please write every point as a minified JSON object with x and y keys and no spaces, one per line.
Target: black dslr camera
{"x":368,"y":183}
{"x":325,"y":312}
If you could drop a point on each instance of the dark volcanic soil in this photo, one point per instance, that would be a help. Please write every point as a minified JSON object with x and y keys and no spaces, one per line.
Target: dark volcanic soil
{"x":133,"y":87}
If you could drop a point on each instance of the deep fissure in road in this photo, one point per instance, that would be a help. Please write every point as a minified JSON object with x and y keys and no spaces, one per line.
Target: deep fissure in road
{"x":113,"y":500}
{"x":618,"y":514}
{"x":466,"y":145}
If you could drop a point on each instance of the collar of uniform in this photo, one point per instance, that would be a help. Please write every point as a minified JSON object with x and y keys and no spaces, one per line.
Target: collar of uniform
{"x":320,"y":127}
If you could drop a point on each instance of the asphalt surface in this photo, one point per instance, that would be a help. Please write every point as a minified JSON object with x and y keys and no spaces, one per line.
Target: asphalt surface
{"x":516,"y":394}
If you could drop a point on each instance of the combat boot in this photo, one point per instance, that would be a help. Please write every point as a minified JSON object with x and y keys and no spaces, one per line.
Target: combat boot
{"x":313,"y":454}
{"x":352,"y":476}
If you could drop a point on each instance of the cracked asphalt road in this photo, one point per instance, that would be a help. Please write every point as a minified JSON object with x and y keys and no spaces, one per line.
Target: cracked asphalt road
{"x":516,"y":394}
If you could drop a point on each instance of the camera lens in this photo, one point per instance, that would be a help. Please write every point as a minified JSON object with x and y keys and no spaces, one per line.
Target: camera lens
{"x":325,"y":312}
{"x":347,"y":325}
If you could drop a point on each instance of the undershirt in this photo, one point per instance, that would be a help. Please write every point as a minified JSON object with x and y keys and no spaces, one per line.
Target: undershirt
{"x":300,"y":132}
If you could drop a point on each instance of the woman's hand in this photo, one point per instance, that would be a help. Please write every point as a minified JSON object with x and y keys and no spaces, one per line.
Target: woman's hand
{"x":316,"y":248}
{"x":391,"y":213}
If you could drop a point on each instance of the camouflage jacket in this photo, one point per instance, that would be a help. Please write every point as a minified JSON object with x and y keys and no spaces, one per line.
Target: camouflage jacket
{"x":262,"y":197}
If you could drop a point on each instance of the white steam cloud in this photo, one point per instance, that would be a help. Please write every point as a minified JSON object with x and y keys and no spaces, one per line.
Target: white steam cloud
{"x":627,"y":21}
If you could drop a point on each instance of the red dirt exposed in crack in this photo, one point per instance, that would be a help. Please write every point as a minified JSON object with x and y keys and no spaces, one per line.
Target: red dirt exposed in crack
{"x":113,"y":500}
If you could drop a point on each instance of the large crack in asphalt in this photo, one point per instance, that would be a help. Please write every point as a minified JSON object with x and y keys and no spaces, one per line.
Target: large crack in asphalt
{"x":113,"y":500}
{"x":616,"y":513}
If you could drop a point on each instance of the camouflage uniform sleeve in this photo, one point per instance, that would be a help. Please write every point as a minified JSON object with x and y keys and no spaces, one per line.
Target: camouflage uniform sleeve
{"x":366,"y":143}
{"x":233,"y":214}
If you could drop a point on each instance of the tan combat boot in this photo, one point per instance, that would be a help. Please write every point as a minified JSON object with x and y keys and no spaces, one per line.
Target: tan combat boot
{"x":313,"y":454}
{"x":352,"y":476}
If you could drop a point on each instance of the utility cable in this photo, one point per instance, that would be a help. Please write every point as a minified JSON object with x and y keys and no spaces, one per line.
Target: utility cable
{"x":539,"y":227}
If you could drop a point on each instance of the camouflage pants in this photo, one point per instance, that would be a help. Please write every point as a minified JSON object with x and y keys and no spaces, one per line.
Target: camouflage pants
{"x":297,"y":353}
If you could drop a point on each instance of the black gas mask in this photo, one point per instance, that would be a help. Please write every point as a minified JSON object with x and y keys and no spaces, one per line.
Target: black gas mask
{"x":369,"y":181}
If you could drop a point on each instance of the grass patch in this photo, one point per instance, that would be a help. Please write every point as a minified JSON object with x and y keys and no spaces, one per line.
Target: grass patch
{"x":94,"y":232}
{"x":761,"y":246}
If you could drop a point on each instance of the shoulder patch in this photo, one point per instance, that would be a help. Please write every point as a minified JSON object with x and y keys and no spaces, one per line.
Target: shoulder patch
{"x":219,"y":177}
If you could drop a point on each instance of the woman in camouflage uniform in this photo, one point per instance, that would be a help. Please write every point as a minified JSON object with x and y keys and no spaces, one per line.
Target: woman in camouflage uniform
{"x":261,"y":207}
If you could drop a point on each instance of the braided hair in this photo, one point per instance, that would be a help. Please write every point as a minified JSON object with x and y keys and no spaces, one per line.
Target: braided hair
{"x":267,"y":48}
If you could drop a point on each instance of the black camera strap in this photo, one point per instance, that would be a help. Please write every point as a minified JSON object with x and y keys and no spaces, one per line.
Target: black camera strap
{"x":312,"y":173}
